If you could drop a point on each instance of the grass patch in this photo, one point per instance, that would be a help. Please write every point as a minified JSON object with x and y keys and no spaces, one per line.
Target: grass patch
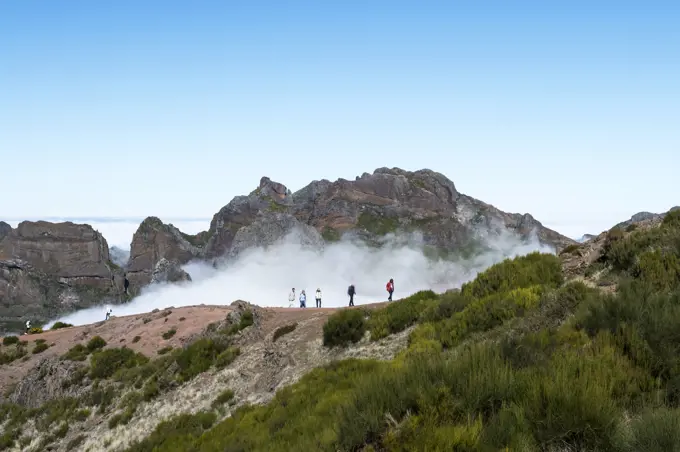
{"x":164,"y":350}
{"x":282,"y":331}
{"x":176,"y":434}
{"x":377,"y":224}
{"x":105,"y":363}
{"x":330,"y":235}
{"x":399,"y":315}
{"x":60,"y":325}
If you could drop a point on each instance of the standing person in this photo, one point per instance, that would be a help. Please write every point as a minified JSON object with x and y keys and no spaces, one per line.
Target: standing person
{"x":303,"y":299}
{"x":351,"y":291}
{"x":318,"y":298}
{"x":28,"y":326}
{"x":108,"y":312}
{"x":127,"y":283}
{"x":390,"y":288}
{"x":291,"y":297}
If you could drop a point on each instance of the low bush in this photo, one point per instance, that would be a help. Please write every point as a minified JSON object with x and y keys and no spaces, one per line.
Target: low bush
{"x":60,"y":325}
{"x":198,"y":357}
{"x":136,"y":339}
{"x":10,"y":340}
{"x":40,"y":347}
{"x":524,"y":271}
{"x":96,"y":343}
{"x":106,"y":363}
{"x":225,"y":396}
{"x":168,"y":334}
{"x":399,"y":315}
{"x":35,"y":330}
{"x":164,"y":350}
{"x":77,"y":353}
{"x":227,"y":357}
{"x":344,"y":327}
{"x":282,"y":331}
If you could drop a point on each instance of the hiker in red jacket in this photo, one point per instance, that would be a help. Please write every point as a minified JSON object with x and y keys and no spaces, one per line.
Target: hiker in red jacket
{"x":390,"y":288}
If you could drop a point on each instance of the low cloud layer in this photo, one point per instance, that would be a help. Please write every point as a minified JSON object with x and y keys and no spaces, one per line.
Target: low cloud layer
{"x":265,"y":276}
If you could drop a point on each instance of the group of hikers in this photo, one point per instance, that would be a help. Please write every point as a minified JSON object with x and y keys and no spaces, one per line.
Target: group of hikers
{"x":351,"y":291}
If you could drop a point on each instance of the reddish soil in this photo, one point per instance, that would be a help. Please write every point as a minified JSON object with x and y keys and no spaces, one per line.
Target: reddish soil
{"x":187,"y":321}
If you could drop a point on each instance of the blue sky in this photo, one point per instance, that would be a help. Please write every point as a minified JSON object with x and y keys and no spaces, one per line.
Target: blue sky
{"x":567,"y":110}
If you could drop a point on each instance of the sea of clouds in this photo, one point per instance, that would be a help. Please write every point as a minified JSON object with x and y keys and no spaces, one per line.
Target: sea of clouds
{"x":265,"y":276}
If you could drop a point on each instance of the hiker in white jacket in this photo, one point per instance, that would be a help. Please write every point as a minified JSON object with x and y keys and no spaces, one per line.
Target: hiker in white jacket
{"x":291,"y":298}
{"x":318,"y":298}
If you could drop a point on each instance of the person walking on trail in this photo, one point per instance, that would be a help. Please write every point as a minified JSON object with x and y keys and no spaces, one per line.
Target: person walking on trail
{"x":390,"y":288}
{"x":127,"y":284}
{"x":28,"y":326}
{"x":291,"y":297}
{"x":108,"y":312}
{"x":303,"y":299}
{"x":351,"y":291}
{"x":318,"y":298}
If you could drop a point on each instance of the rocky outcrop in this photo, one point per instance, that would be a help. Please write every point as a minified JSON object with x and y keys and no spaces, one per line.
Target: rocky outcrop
{"x":369,"y":207}
{"x":50,"y":268}
{"x":642,"y":217}
{"x":48,"y":381}
{"x":5,"y":229}
{"x":153,"y":241}
{"x":166,"y":271}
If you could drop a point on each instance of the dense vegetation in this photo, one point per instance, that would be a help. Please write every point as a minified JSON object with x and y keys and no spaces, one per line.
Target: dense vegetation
{"x":116,"y":380}
{"x":516,"y":359}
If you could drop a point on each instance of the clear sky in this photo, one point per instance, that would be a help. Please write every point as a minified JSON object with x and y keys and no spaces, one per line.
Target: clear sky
{"x":567,"y":110}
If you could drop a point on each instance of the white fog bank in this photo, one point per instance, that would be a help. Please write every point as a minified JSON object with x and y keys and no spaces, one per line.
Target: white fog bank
{"x":265,"y":276}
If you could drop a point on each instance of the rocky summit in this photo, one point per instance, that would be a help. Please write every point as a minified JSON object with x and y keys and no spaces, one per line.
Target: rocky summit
{"x":51,"y":268}
{"x":367,"y":208}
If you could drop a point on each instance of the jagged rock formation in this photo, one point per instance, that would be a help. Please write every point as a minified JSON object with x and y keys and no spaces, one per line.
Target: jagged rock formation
{"x":645,"y":216}
{"x":50,"y":268}
{"x":153,"y":241}
{"x":166,"y":271}
{"x":389,"y":200}
{"x":5,"y":229}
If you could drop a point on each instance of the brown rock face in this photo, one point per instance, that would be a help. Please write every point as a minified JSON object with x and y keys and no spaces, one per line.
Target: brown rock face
{"x":154,"y":241}
{"x":50,"y":268}
{"x":65,"y":250}
{"x":5,"y":229}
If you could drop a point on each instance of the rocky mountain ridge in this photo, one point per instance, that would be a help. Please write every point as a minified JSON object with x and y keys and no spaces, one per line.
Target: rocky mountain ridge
{"x":373,"y":205}
{"x":47,"y":269}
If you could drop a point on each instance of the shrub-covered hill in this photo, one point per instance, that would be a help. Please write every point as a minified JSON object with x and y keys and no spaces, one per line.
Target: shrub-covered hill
{"x":521,"y":359}
{"x":517,"y":359}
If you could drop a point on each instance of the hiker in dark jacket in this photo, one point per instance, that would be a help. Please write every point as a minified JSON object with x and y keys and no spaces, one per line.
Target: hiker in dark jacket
{"x":126,"y":285}
{"x":351,"y":291}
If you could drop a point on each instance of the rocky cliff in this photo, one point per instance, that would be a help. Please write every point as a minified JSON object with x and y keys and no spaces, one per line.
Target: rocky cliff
{"x":5,"y":229}
{"x":50,"y":268}
{"x":373,"y":205}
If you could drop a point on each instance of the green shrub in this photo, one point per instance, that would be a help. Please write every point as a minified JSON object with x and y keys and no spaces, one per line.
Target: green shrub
{"x":35,"y":330}
{"x":198,"y":357}
{"x":168,"y":334}
{"x":282,"y":331}
{"x":96,"y":343}
{"x":107,"y":362}
{"x":77,"y":353}
{"x":10,"y":340}
{"x":570,"y":249}
{"x":672,"y":220}
{"x":524,"y":271}
{"x":225,"y":396}
{"x":164,"y":350}
{"x":40,"y":347}
{"x":227,"y":357}
{"x":344,"y":327}
{"x":60,"y":325}
{"x":136,"y":339}
{"x":399,"y":315}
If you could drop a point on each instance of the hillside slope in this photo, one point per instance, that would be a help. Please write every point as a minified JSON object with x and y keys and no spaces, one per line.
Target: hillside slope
{"x":524,"y":357}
